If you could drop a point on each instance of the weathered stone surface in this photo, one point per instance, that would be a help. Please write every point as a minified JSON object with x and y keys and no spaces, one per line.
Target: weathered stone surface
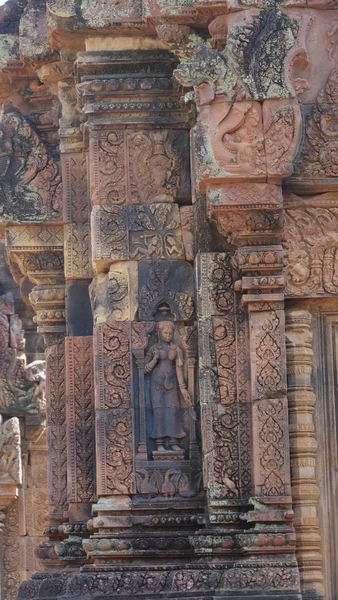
{"x":310,"y":243}
{"x":171,"y":430}
{"x":135,"y":233}
{"x":166,"y":290}
{"x":139,"y":167}
{"x":114,"y":295}
{"x":30,"y":179}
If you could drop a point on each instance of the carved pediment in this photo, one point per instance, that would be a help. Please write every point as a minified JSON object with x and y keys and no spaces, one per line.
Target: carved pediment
{"x":30,"y":183}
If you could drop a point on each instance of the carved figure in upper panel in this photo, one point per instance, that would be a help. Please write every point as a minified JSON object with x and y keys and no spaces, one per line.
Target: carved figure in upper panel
{"x":139,"y":167}
{"x":311,"y":245}
{"x":164,"y":361}
{"x":30,"y":183}
{"x":319,"y":154}
{"x":230,"y":141}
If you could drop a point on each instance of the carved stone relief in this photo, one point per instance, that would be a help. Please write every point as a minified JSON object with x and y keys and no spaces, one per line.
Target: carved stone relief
{"x":317,"y":158}
{"x":80,"y":419}
{"x":167,"y":455}
{"x":224,"y":391}
{"x":136,"y":233}
{"x":246,"y":213}
{"x":30,"y":179}
{"x":56,"y":431}
{"x":310,"y":244}
{"x":166,"y":287}
{"x":231,"y":141}
{"x":282,"y":132}
{"x":113,"y":408}
{"x":114,"y":295}
{"x":139,"y":167}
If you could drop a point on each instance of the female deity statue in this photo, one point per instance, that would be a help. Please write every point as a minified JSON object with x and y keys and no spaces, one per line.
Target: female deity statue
{"x":164,"y":361}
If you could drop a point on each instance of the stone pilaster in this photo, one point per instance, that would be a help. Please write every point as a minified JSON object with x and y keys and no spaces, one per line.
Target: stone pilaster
{"x":303,"y":449}
{"x":36,"y":255}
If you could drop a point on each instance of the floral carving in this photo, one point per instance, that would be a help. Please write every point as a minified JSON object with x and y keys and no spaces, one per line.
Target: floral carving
{"x":136,"y":232}
{"x":80,"y":418}
{"x":114,"y":423}
{"x":56,"y":433}
{"x":158,"y":296}
{"x":138,"y":167}
{"x":269,"y":380}
{"x":271,"y":438}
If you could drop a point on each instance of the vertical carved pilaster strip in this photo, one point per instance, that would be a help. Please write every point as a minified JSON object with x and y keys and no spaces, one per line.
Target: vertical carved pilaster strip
{"x":114,"y":447}
{"x":56,"y":431}
{"x":270,"y":416}
{"x":303,"y":445}
{"x":76,"y":209}
{"x":80,"y":420}
{"x":223,"y":382}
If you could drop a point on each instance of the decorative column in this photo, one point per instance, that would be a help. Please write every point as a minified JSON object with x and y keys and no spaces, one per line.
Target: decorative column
{"x":303,"y":447}
{"x":81,"y":487}
{"x":238,"y":172}
{"x":36,"y":256}
{"x":139,"y":176}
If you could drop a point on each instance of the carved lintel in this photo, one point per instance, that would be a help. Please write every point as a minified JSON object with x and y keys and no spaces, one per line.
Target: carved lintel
{"x":310,"y":244}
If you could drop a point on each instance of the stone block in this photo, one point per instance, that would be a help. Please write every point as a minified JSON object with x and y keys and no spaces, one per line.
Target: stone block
{"x":229,"y":142}
{"x":214,"y":281}
{"x":282,"y":122}
{"x":114,"y":295}
{"x":166,"y":290}
{"x":139,"y":167}
{"x":135,"y":233}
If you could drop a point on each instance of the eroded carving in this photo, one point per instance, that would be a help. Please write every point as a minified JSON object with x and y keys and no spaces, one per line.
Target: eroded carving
{"x":166,"y":288}
{"x":29,"y":180}
{"x":311,"y":243}
{"x":139,"y":167}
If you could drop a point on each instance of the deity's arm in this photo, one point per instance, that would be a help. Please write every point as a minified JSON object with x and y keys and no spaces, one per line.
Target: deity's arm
{"x":151,"y":358}
{"x":179,"y":369}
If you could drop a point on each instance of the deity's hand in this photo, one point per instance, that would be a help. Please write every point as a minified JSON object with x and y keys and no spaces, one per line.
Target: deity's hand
{"x":156,"y":354}
{"x":186,"y":396}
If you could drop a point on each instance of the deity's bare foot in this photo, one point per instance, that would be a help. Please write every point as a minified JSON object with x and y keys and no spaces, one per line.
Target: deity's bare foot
{"x":160,"y":448}
{"x":175,"y":447}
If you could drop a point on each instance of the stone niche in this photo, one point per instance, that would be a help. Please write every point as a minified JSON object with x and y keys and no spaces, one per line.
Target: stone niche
{"x":167,"y":460}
